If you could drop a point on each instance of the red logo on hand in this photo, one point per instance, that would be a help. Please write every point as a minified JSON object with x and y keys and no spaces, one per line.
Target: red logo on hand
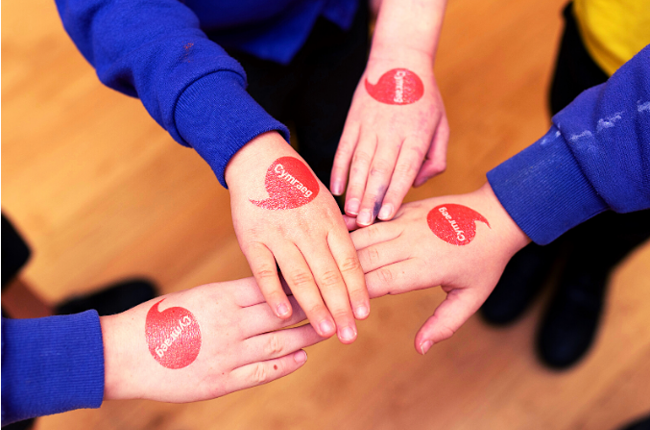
{"x":397,"y":87}
{"x":173,"y":336}
{"x":454,"y":223}
{"x":290,"y":184}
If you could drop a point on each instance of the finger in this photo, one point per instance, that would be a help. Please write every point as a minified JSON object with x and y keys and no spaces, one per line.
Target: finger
{"x":359,"y":169}
{"x":449,"y":316}
{"x":409,"y":162}
{"x":379,"y":177}
{"x":347,"y":260}
{"x":278,"y":343}
{"x":343,"y":156}
{"x":262,"y":372}
{"x":436,"y":160}
{"x":260,"y":319}
{"x":374,"y":234}
{"x":401,"y":277}
{"x":382,"y":254}
{"x":262,"y":263}
{"x":332,"y":288}
{"x":301,"y":281}
{"x":350,"y":222}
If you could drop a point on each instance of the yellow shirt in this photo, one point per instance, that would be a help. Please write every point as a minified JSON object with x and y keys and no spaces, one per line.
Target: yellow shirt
{"x":613,"y":31}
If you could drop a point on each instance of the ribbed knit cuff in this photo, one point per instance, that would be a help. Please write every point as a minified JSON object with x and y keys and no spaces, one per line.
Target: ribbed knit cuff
{"x":544,"y":190}
{"x":51,"y":365}
{"x":217,"y":117}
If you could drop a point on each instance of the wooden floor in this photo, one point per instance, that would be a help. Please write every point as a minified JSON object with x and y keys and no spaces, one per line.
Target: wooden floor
{"x":102,"y":193}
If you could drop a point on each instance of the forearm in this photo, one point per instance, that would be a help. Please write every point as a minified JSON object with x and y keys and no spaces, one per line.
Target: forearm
{"x":157,"y":51}
{"x":405,"y":27}
{"x":593,"y":159}
{"x":51,"y":365}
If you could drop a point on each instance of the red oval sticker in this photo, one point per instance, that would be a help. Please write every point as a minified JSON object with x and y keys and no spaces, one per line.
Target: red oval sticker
{"x":397,"y":87}
{"x":173,"y":336}
{"x":290,"y":184}
{"x":455,"y":224}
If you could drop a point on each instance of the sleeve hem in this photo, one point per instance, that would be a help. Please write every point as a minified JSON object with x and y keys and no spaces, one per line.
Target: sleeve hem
{"x":544,"y":190}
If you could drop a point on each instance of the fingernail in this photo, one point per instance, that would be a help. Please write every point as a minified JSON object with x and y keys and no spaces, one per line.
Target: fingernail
{"x":300,"y":357}
{"x":364,"y":218}
{"x":347,"y":334}
{"x":326,"y":327}
{"x":361,"y":311}
{"x":283,"y":309}
{"x":337,"y":188}
{"x":352,"y":207}
{"x":425,"y":346}
{"x":386,"y":211}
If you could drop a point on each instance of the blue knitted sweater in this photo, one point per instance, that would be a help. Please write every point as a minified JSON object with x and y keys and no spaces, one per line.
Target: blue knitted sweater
{"x":595,"y":157}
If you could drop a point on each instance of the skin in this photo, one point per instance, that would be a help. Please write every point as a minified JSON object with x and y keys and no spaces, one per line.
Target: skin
{"x":385,"y":149}
{"x":403,"y":255}
{"x":310,"y":244}
{"x":240,"y":346}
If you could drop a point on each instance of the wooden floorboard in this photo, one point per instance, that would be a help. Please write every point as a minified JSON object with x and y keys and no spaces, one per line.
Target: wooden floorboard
{"x":102,"y":193}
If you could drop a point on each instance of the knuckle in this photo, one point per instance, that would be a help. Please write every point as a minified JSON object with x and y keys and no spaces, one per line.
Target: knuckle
{"x":265,"y":272}
{"x":361,"y":157}
{"x":330,"y":277}
{"x":274,"y":346}
{"x":445,"y":332}
{"x":386,"y":276}
{"x":260,"y":374}
{"x":350,"y":264}
{"x":301,"y":278}
{"x":380,"y":168}
{"x":317,"y":309}
{"x":418,"y":152}
{"x":404,"y":170}
{"x":341,"y":315}
{"x":373,"y":255}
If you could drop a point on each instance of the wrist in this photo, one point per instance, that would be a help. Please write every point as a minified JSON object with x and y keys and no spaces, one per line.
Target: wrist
{"x":120,"y":371}
{"x":408,"y":28}
{"x":513,"y":238}
{"x":260,"y":151}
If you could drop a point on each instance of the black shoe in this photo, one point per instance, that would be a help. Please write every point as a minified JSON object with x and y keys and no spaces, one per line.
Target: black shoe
{"x":112,"y":299}
{"x":569,"y":326}
{"x":21,"y":425}
{"x":520,"y":282}
{"x":641,"y":424}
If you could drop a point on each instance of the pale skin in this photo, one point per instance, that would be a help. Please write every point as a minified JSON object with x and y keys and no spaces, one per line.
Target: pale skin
{"x":242,"y":345}
{"x":310,"y":244}
{"x":403,"y":255}
{"x":385,"y":149}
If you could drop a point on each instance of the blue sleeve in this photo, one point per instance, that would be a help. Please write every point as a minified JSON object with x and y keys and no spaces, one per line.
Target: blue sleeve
{"x":155,"y":50}
{"x":595,"y":157}
{"x":51,"y":365}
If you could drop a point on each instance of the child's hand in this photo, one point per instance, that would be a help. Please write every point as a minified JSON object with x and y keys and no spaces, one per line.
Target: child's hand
{"x":459,"y":242}
{"x":282,"y":213}
{"x":395,"y":136}
{"x":200,"y":344}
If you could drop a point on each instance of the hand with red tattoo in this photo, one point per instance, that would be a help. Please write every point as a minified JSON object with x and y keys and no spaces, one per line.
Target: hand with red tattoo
{"x":283,"y":214}
{"x":200,"y":344}
{"x":461,"y":243}
{"x":396,"y":132}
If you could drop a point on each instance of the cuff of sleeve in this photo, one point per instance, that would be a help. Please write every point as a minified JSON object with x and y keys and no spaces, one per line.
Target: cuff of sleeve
{"x":217,"y":117}
{"x":51,"y":365}
{"x":544,"y":190}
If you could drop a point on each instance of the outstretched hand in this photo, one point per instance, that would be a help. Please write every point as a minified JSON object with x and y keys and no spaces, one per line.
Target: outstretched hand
{"x":283,"y":214}
{"x":200,"y":344}
{"x":461,"y":243}
{"x":395,"y":136}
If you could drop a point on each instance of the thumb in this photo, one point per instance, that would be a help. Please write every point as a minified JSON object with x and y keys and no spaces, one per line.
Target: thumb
{"x":448,"y":317}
